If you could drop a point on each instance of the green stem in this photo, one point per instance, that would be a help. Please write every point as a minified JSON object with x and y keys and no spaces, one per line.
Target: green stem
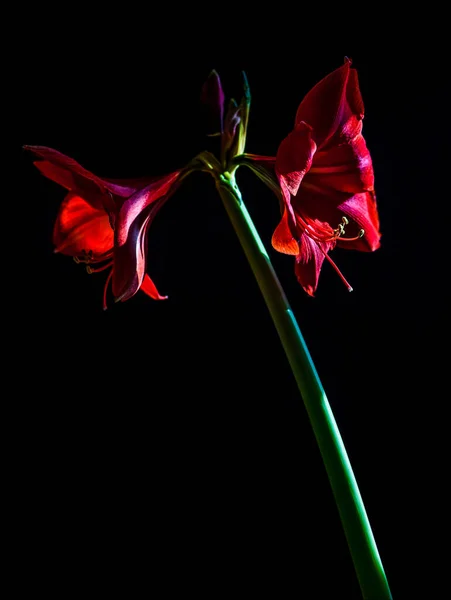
{"x":365,"y":556}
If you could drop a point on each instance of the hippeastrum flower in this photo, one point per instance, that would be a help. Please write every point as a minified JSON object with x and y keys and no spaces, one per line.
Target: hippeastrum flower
{"x":104,"y":222}
{"x":325,"y":179}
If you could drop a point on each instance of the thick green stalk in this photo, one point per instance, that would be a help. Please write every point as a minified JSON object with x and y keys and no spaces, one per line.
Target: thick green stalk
{"x":365,"y":556}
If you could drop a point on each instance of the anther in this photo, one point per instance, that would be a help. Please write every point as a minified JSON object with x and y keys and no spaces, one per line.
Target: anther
{"x":91,"y":270}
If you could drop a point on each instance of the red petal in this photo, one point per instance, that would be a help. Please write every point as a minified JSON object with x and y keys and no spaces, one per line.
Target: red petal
{"x":133,"y":207}
{"x":282,"y":239}
{"x":309,"y":262}
{"x":345,"y":167}
{"x":124,"y":188}
{"x":362,"y":209}
{"x":149,"y":288}
{"x":295,"y":155}
{"x":133,"y":220}
{"x":353,"y":95}
{"x":67,"y":172}
{"x":57,"y":174}
{"x":130,"y":257}
{"x":130,"y":262}
{"x":81,"y":227}
{"x":286,"y":206}
{"x":61,"y":160}
{"x":331,"y":103}
{"x":317,"y":202}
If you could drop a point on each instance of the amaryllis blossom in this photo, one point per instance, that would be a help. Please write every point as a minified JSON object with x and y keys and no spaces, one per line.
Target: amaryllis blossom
{"x":326,"y":179}
{"x":104,"y":222}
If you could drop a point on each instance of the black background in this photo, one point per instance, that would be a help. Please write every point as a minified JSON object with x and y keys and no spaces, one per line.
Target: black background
{"x":168,"y":439}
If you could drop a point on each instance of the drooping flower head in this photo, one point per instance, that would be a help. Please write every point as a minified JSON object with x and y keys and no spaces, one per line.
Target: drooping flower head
{"x":104,"y":223}
{"x":325,"y":178}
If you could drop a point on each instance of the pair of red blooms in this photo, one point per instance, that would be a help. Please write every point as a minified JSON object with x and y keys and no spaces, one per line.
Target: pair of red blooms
{"x":322,"y":174}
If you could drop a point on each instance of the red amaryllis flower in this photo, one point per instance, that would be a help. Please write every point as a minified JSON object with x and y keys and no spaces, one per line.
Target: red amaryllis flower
{"x":325,"y":174}
{"x":104,"y":222}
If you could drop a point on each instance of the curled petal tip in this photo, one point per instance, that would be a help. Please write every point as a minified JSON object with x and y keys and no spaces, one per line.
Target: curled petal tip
{"x":348,"y":61}
{"x":302,"y":126}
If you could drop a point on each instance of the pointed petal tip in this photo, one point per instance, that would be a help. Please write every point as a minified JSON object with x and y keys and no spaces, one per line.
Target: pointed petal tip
{"x":32,"y":148}
{"x":212,"y":75}
{"x":246,"y":100}
{"x":122,"y":298}
{"x":29,"y":148}
{"x":303,"y":126}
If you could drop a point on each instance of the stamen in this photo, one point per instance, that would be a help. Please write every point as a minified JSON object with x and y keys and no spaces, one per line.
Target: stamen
{"x":90,"y":270}
{"x":88,"y":257}
{"x":320,"y":234}
{"x":350,"y":289}
{"x":315,"y":231}
{"x":106,"y":288}
{"x":340,"y":231}
{"x":353,"y":239}
{"x":84,"y":257}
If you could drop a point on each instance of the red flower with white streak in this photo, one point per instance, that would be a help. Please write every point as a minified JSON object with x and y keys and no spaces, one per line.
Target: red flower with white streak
{"x":326,"y":178}
{"x":104,"y":223}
